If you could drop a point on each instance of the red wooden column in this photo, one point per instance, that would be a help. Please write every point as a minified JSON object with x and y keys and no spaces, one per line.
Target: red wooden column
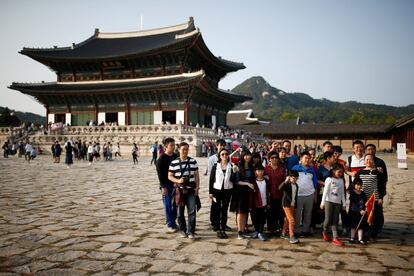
{"x":47,"y":118}
{"x":186,"y":115}
{"x":127,"y":110}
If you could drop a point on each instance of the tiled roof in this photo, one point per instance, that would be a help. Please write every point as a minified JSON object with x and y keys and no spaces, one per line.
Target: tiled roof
{"x":317,"y":129}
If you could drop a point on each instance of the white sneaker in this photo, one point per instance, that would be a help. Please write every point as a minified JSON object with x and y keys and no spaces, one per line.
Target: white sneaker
{"x":191,"y":236}
{"x":183,"y":235}
{"x":172,"y":230}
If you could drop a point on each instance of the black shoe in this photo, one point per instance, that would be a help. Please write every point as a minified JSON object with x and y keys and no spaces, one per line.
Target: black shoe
{"x":351,"y":241}
{"x":362,"y":242}
{"x":224,"y":235}
{"x":227,"y":228}
{"x":215,"y":228}
{"x":219,"y":234}
{"x":305,"y":234}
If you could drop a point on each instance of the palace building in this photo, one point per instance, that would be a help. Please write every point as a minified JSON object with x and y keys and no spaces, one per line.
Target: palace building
{"x":165,"y":75}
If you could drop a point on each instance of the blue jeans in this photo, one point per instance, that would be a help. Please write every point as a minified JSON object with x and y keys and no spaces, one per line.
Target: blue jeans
{"x":170,"y":208}
{"x":190,"y":202}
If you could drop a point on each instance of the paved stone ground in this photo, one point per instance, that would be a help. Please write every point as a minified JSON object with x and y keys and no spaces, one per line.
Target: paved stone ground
{"x":107,"y":219}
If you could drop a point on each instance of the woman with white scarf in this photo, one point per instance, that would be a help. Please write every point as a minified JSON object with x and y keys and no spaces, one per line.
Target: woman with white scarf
{"x":222,"y":181}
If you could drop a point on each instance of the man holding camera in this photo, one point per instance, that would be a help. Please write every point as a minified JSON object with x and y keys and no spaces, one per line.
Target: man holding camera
{"x":183,"y":172}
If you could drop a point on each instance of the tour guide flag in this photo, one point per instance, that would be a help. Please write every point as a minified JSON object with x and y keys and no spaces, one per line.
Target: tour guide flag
{"x":370,"y":208}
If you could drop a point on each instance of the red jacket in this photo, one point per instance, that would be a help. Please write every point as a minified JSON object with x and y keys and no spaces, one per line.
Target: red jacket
{"x":276,"y":177}
{"x":255,"y":198}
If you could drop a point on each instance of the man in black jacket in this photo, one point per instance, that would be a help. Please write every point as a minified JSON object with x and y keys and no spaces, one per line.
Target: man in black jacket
{"x":166,"y":186}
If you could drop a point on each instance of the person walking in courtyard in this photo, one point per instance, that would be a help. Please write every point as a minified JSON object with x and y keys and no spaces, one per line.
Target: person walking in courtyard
{"x":134,"y":152}
{"x":183,"y":172}
{"x":154,"y":152}
{"x":166,"y":186}
{"x":21,"y":149}
{"x":118,"y":151}
{"x":58,"y":152}
{"x":28,"y":151}
{"x":69,"y":154}
{"x":90,"y":153}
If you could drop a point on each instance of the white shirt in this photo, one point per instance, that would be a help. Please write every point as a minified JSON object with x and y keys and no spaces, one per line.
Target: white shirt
{"x":334,"y":191}
{"x":29,"y":148}
{"x":305,"y":184}
{"x":210,"y":163}
{"x":262,"y":187}
{"x":90,"y":149}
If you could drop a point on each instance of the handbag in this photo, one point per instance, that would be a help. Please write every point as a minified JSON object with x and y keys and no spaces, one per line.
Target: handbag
{"x":181,"y":190}
{"x":198,"y":202}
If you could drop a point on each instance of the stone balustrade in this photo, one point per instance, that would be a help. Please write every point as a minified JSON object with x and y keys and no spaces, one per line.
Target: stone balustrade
{"x":143,"y":135}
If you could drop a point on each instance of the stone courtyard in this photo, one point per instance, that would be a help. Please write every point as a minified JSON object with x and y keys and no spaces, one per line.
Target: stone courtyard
{"x":107,"y":219}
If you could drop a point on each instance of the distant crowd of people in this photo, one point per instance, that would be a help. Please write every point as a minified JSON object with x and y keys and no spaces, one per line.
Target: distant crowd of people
{"x":26,"y":150}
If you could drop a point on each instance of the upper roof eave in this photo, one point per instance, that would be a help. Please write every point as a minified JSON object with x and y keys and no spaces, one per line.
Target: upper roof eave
{"x":46,"y":87}
{"x":227,"y":65}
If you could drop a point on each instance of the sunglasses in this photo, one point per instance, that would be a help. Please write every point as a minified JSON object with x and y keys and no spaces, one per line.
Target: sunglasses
{"x":224,"y":154}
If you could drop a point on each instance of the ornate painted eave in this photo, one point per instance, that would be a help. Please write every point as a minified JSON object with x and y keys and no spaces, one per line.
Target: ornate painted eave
{"x":106,"y":86}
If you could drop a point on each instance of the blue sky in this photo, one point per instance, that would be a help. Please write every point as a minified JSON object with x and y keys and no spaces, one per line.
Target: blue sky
{"x":339,"y":50}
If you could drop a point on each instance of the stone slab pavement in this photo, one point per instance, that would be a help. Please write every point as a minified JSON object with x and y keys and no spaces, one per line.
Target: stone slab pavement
{"x":107,"y":219}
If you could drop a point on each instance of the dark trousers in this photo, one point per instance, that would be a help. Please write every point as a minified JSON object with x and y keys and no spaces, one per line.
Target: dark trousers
{"x":378,"y":220}
{"x":154,"y":159}
{"x":170,"y":208}
{"x":219,"y":209}
{"x":275,"y":215}
{"x":189,"y":201}
{"x":214,"y":216}
{"x":259,"y":218}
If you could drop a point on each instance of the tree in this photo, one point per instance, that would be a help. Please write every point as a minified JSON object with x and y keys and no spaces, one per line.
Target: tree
{"x":8,"y":119}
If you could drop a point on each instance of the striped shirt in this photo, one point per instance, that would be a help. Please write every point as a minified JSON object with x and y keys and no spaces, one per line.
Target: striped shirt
{"x":372,"y":182}
{"x":185,"y":168}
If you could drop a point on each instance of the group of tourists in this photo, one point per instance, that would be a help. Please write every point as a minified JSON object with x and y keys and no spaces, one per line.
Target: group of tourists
{"x":79,"y":150}
{"x":26,"y":150}
{"x":286,"y":195}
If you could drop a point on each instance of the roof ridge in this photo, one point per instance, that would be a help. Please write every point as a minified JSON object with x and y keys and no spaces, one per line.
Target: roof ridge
{"x":175,"y":28}
{"x":188,"y":27}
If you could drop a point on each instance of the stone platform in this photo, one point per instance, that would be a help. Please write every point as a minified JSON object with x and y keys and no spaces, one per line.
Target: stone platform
{"x":143,"y":135}
{"x":107,"y":219}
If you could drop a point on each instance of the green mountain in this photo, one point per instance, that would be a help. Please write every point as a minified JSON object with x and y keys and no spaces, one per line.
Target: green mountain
{"x":26,"y":116}
{"x":273,"y":104}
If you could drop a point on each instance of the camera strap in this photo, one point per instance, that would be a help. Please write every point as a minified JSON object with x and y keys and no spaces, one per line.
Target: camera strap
{"x":186,"y":165}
